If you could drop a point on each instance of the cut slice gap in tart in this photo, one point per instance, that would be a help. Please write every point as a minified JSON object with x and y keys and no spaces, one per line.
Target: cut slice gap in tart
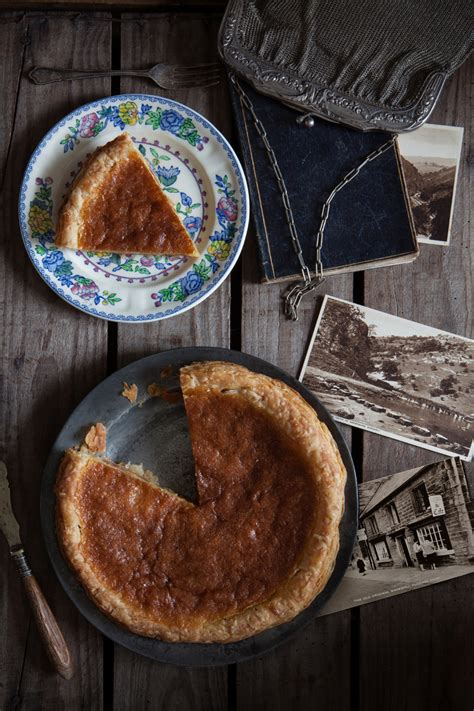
{"x":257,"y":548}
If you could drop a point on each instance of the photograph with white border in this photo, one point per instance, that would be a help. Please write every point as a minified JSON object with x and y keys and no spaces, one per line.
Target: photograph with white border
{"x":415,"y":530}
{"x":430,"y":160}
{"x":393,"y":377}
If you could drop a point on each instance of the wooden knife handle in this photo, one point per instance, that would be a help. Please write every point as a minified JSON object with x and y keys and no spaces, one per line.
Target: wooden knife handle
{"x":51,"y":635}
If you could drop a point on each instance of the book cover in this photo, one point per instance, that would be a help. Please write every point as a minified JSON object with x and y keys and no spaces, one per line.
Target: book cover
{"x":370,"y":223}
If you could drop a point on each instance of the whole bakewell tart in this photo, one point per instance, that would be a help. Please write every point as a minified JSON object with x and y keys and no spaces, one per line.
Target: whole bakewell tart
{"x":116,"y":204}
{"x":256,"y":548}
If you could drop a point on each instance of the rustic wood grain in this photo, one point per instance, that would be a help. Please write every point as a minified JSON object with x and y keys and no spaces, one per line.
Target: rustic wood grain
{"x":414,"y":648}
{"x":51,"y":355}
{"x":12,"y":39}
{"x":144,"y":684}
{"x":311,"y":671}
{"x":435,"y":289}
{"x":138,"y":683}
{"x":182,"y":39}
{"x":12,"y":51}
{"x":131,"y":5}
{"x":301,"y":673}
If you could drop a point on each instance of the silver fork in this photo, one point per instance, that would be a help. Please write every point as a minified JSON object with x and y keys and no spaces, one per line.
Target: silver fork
{"x":167,"y":76}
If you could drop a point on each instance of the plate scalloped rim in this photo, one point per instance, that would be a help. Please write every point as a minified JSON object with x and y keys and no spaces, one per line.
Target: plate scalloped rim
{"x":238,"y":241}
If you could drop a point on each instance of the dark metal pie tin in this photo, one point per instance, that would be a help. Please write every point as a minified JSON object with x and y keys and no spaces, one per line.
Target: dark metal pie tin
{"x":156,"y":436}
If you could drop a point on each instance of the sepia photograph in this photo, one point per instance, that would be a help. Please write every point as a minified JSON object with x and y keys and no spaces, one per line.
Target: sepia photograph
{"x":430,"y":160}
{"x":415,"y":530}
{"x":393,"y":376}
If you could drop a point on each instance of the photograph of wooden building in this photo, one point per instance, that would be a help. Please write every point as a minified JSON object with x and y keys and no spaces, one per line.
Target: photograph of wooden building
{"x":416,"y":528}
{"x":431,"y":504}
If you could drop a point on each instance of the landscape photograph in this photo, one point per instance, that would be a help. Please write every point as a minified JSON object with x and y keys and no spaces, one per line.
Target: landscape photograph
{"x":393,"y":377}
{"x":430,"y":159}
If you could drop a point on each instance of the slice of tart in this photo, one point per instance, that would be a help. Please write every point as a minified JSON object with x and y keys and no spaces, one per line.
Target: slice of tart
{"x":254,"y":551}
{"x":117,"y":205}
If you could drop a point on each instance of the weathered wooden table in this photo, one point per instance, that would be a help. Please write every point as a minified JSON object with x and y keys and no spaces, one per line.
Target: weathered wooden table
{"x":410,"y":652}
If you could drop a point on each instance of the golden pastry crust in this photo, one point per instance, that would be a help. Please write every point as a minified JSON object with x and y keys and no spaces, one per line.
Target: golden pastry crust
{"x":98,"y":173}
{"x":154,"y":390}
{"x":289,"y":413}
{"x":130,"y":392}
{"x":96,"y":438}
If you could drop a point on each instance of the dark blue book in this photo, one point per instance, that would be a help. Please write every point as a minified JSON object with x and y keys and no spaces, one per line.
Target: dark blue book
{"x":370,"y":223}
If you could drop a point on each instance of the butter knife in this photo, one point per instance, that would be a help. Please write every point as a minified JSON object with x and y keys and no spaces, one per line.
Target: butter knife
{"x":51,"y":635}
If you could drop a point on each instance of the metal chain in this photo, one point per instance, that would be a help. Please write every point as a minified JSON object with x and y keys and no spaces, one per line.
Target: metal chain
{"x":281,"y":183}
{"x":296,"y":293}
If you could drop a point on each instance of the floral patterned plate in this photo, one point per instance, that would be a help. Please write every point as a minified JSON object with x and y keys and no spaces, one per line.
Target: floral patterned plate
{"x":197,"y":169}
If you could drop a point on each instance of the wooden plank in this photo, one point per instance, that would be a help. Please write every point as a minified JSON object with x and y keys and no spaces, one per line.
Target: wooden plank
{"x":436,"y":289}
{"x":301,"y":673}
{"x":12,"y":51}
{"x":12,"y":44}
{"x":131,"y":5}
{"x":140,"y":684}
{"x":182,"y":39}
{"x":266,"y":332}
{"x":51,"y":355}
{"x":415,"y":649}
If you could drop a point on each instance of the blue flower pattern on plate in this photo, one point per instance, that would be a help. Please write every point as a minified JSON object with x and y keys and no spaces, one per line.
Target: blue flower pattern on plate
{"x":84,"y":123}
{"x":171,"y":121}
{"x":52,"y":259}
{"x":191,"y":283}
{"x":192,"y":224}
{"x":129,"y":113}
{"x":219,"y":247}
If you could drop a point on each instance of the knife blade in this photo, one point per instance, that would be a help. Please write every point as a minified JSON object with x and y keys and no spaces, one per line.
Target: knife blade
{"x":8,"y":523}
{"x":53,"y":639}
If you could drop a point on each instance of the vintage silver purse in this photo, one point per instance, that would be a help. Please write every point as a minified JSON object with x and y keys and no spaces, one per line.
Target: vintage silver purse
{"x":370,"y":64}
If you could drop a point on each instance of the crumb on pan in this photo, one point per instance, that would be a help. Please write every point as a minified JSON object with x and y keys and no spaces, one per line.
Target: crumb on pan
{"x":96,"y":438}
{"x":130,"y":392}
{"x":171,"y":396}
{"x":166,"y":372}
{"x":154,"y":390}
